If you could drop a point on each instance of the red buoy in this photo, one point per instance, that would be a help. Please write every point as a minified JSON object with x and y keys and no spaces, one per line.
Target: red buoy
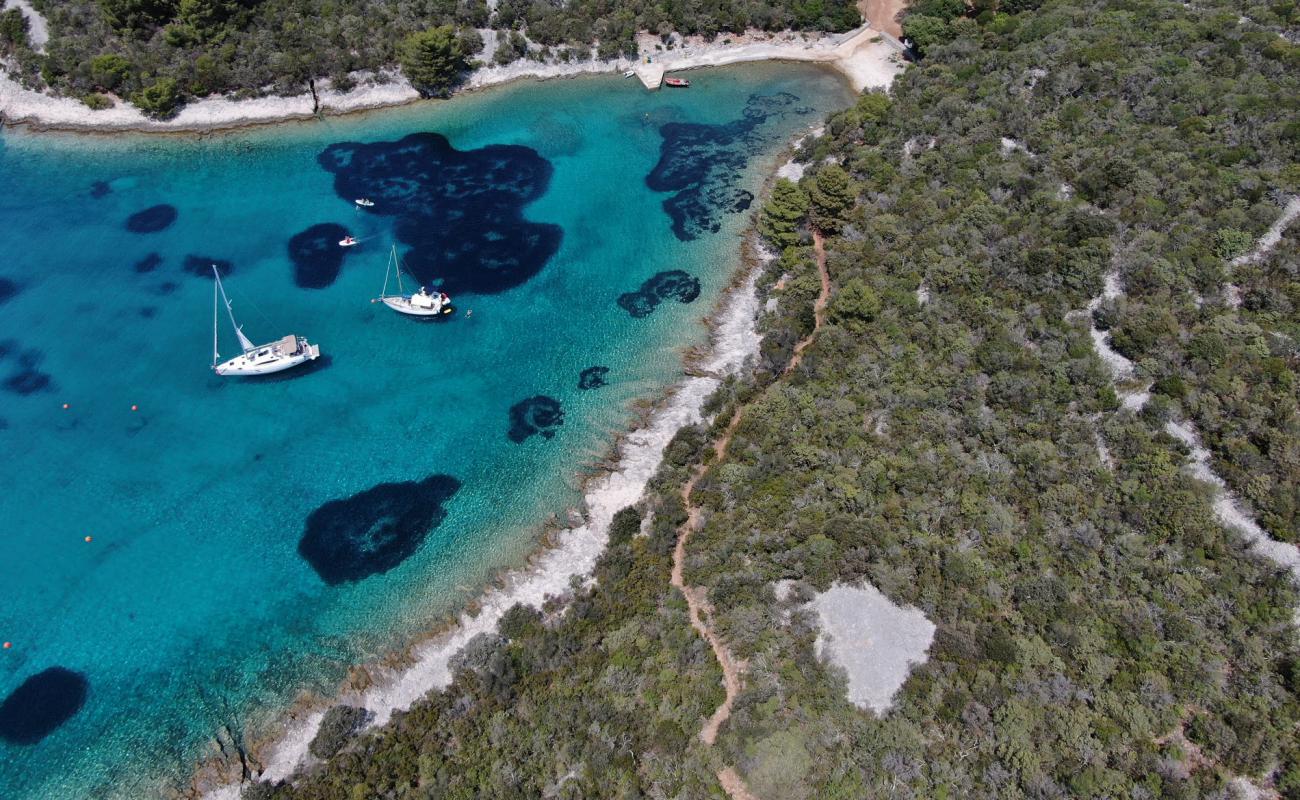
{"x":135,"y":407}
{"x":8,"y":645}
{"x":90,"y":538}
{"x":65,"y":406}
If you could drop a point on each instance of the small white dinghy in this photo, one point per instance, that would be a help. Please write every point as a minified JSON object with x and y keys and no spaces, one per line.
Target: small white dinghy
{"x":421,"y":304}
{"x":262,"y":359}
{"x":364,"y":202}
{"x":347,"y":241}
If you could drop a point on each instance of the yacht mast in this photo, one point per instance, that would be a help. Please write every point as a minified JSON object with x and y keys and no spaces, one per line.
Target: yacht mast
{"x":239,"y":333}
{"x":215,"y":354}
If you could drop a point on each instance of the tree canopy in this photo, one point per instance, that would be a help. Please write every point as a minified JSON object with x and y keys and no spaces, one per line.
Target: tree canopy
{"x":783,"y":214}
{"x":952,"y":438}
{"x":246,"y":47}
{"x":433,"y":60}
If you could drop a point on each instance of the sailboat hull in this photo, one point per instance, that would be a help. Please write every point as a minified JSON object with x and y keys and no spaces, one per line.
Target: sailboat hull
{"x":260,"y":362}
{"x":403,"y":305}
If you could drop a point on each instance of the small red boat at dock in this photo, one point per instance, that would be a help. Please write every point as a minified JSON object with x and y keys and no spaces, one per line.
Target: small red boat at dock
{"x":678,"y":83}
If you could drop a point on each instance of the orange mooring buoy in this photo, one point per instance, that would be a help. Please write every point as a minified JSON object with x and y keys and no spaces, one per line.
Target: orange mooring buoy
{"x":90,"y":538}
{"x":8,"y":645}
{"x":65,"y":406}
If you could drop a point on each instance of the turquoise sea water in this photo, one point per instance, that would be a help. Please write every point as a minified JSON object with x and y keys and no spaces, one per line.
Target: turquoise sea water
{"x":197,"y":603}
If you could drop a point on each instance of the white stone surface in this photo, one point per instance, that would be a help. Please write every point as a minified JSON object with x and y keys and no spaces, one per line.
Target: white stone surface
{"x":876,"y":642}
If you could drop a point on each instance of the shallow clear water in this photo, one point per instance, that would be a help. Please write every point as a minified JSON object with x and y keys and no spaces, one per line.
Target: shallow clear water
{"x":193,"y":605}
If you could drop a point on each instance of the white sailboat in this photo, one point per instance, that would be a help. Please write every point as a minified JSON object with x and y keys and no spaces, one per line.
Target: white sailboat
{"x":257,"y":359}
{"x":421,"y":304}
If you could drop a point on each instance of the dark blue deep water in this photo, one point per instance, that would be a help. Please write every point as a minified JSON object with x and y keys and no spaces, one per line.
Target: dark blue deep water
{"x":251,"y":539}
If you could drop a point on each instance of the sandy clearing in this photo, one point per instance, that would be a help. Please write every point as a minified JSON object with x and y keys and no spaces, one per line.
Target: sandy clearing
{"x":883,"y":15}
{"x":875,"y":641}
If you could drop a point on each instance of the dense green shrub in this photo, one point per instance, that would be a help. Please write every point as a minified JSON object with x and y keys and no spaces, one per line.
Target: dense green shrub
{"x":433,"y":60}
{"x":13,"y":27}
{"x":97,"y":102}
{"x":337,"y":728}
{"x":831,"y":193}
{"x":160,"y":99}
{"x":108,"y":71}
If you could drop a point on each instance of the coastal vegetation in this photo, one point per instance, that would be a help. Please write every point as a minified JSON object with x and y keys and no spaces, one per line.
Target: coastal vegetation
{"x":952,"y":439}
{"x":156,"y":53}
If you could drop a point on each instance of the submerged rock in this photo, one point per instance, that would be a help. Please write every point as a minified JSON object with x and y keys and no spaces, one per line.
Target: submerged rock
{"x":373,"y":531}
{"x":41,"y":705}
{"x":539,"y":415}
{"x":152,"y":219}
{"x":460,"y":212}
{"x":670,"y":285}
{"x":316,"y":255}
{"x":149,"y":263}
{"x":592,"y":377}
{"x":702,"y":165}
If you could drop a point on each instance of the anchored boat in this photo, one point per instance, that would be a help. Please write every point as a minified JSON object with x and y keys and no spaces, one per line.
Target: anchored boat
{"x":347,"y":241}
{"x":364,"y":202}
{"x":257,"y":359}
{"x":677,"y":83}
{"x":421,"y":304}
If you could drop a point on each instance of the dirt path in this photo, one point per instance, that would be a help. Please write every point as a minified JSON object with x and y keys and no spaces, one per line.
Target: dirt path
{"x":734,"y":785}
{"x":883,"y":15}
{"x":699,"y":610}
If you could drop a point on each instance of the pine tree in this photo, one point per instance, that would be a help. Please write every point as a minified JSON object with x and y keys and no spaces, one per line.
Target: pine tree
{"x":432,"y":60}
{"x":783,"y":213}
{"x":832,"y":195}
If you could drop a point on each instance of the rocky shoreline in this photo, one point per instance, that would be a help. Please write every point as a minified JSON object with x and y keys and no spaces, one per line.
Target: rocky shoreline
{"x":570,"y":554}
{"x":864,"y":56}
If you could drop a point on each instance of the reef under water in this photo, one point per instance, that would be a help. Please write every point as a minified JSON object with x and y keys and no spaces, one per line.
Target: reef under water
{"x":148,"y":263}
{"x":459,"y":212}
{"x":593,"y":378}
{"x":28,"y":378}
{"x":41,"y":704}
{"x":200,"y":266}
{"x":702,"y":164}
{"x":152,"y":219}
{"x":373,"y":531}
{"x":316,"y":255}
{"x":538,"y":415}
{"x":674,"y":284}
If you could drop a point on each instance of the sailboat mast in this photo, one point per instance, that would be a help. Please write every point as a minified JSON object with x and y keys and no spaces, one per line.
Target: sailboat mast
{"x":397,"y":264}
{"x":239,"y":334}
{"x":215,"y":354}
